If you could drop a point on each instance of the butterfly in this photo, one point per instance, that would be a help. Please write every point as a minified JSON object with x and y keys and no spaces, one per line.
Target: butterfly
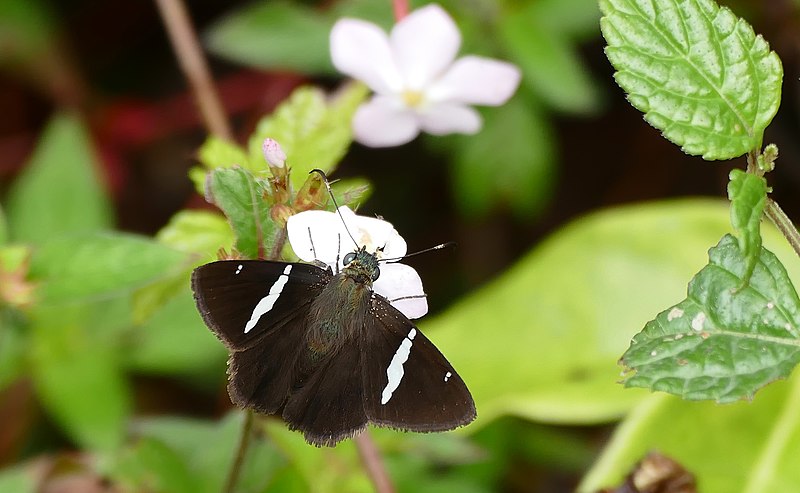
{"x":325,"y":351}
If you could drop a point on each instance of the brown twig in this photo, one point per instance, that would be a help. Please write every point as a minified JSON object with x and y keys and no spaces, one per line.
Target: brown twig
{"x":194,"y":66}
{"x":784,"y":224}
{"x":373,"y":462}
{"x":238,"y":461}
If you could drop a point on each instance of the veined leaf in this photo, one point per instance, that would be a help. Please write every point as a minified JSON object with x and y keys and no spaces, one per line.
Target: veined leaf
{"x":698,"y":72}
{"x":313,"y":129}
{"x":727,"y":339}
{"x":748,"y":195}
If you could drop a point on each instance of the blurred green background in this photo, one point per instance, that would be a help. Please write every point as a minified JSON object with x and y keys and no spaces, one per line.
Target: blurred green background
{"x":575,"y":222}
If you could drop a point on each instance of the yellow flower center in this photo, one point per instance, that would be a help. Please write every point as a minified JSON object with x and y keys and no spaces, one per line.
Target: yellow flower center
{"x":412,"y":98}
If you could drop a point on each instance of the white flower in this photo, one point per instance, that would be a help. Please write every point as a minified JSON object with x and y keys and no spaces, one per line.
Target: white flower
{"x":418,"y":84}
{"x":323,"y":236}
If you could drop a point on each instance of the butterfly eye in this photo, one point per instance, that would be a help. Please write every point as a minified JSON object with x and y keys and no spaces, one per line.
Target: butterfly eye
{"x":348,"y":258}
{"x":376,"y":274}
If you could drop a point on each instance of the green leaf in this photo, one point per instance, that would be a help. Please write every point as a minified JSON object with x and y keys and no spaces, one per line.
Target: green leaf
{"x":275,"y":35}
{"x":26,"y":32}
{"x":551,"y":68}
{"x":727,"y":339}
{"x":100,"y":265}
{"x":150,"y":465}
{"x":698,"y":72}
{"x":519,"y":172}
{"x":77,"y":374}
{"x":14,"y":346}
{"x":207,"y":448}
{"x":748,"y":195}
{"x":240,"y":196}
{"x":314,"y":131}
{"x":198,"y":232}
{"x":18,"y":479}
{"x":573,"y":19}
{"x":574,"y":291}
{"x":219,"y":153}
{"x":745,"y":447}
{"x":59,"y":191}
{"x":175,"y":341}
{"x":3,"y":227}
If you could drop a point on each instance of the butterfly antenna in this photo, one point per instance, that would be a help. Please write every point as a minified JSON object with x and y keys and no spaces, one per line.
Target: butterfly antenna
{"x":330,"y":192}
{"x":431,"y":249}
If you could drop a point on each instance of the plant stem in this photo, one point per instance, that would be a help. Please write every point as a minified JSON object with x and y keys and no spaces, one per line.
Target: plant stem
{"x":783,"y":223}
{"x":244,"y":442}
{"x":371,"y":457}
{"x":194,"y":66}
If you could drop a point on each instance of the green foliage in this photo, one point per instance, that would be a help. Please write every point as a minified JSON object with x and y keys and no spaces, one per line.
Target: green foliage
{"x":73,"y":358}
{"x":37,"y":209}
{"x":560,"y":316}
{"x":313,"y":130}
{"x":241,"y":197}
{"x":3,"y":227}
{"x":18,"y":479}
{"x":26,"y":31}
{"x":728,"y":338}
{"x":748,"y":195}
{"x":80,"y":267}
{"x":551,"y":69}
{"x":500,"y":167}
{"x":698,"y":72}
{"x":747,"y":447}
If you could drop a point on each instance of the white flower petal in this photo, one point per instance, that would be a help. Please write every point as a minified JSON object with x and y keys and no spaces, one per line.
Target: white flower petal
{"x":384,"y":122}
{"x":424,"y":44}
{"x":376,"y":234}
{"x":401,"y":281}
{"x":316,"y":235}
{"x":476,"y":80}
{"x":361,"y":50}
{"x":448,"y":118}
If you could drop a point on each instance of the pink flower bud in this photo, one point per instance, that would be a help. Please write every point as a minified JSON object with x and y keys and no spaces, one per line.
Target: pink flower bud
{"x":273,"y":153}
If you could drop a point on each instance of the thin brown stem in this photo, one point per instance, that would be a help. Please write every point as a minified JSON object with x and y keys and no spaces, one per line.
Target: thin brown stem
{"x":194,"y":66}
{"x":241,"y":451}
{"x":371,"y":458}
{"x":784,"y":224}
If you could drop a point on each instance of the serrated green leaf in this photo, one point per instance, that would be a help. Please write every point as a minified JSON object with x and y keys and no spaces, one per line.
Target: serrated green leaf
{"x":59,"y":191}
{"x":313,"y":130}
{"x":519,"y":172}
{"x":100,"y":265}
{"x":198,"y":232}
{"x":744,"y":447}
{"x":76,"y":372}
{"x":219,"y":153}
{"x":698,"y":72}
{"x":727,"y":339}
{"x":561,"y":317}
{"x":748,"y":195}
{"x":240,"y":196}
{"x":275,"y":35}
{"x":551,"y":68}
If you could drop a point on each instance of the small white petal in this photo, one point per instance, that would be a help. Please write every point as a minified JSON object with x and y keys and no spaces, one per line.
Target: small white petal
{"x":361,"y":50}
{"x":384,"y":122}
{"x":448,"y":118}
{"x":318,"y":235}
{"x":476,"y":80}
{"x":375,"y":234}
{"x":424,"y":44}
{"x":401,"y":281}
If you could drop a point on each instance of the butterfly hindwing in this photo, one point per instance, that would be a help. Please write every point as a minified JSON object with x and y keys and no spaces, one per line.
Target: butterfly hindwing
{"x":408,"y":384}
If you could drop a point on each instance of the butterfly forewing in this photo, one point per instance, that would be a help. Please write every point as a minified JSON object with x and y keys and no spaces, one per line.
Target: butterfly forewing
{"x":270,"y":300}
{"x":408,"y":383}
{"x":241,"y":300}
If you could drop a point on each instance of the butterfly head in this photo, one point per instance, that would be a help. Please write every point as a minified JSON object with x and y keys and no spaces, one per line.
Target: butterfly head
{"x":361,"y":266}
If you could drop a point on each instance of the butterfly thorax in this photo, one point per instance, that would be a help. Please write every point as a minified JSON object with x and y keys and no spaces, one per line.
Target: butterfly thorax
{"x":337,"y":314}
